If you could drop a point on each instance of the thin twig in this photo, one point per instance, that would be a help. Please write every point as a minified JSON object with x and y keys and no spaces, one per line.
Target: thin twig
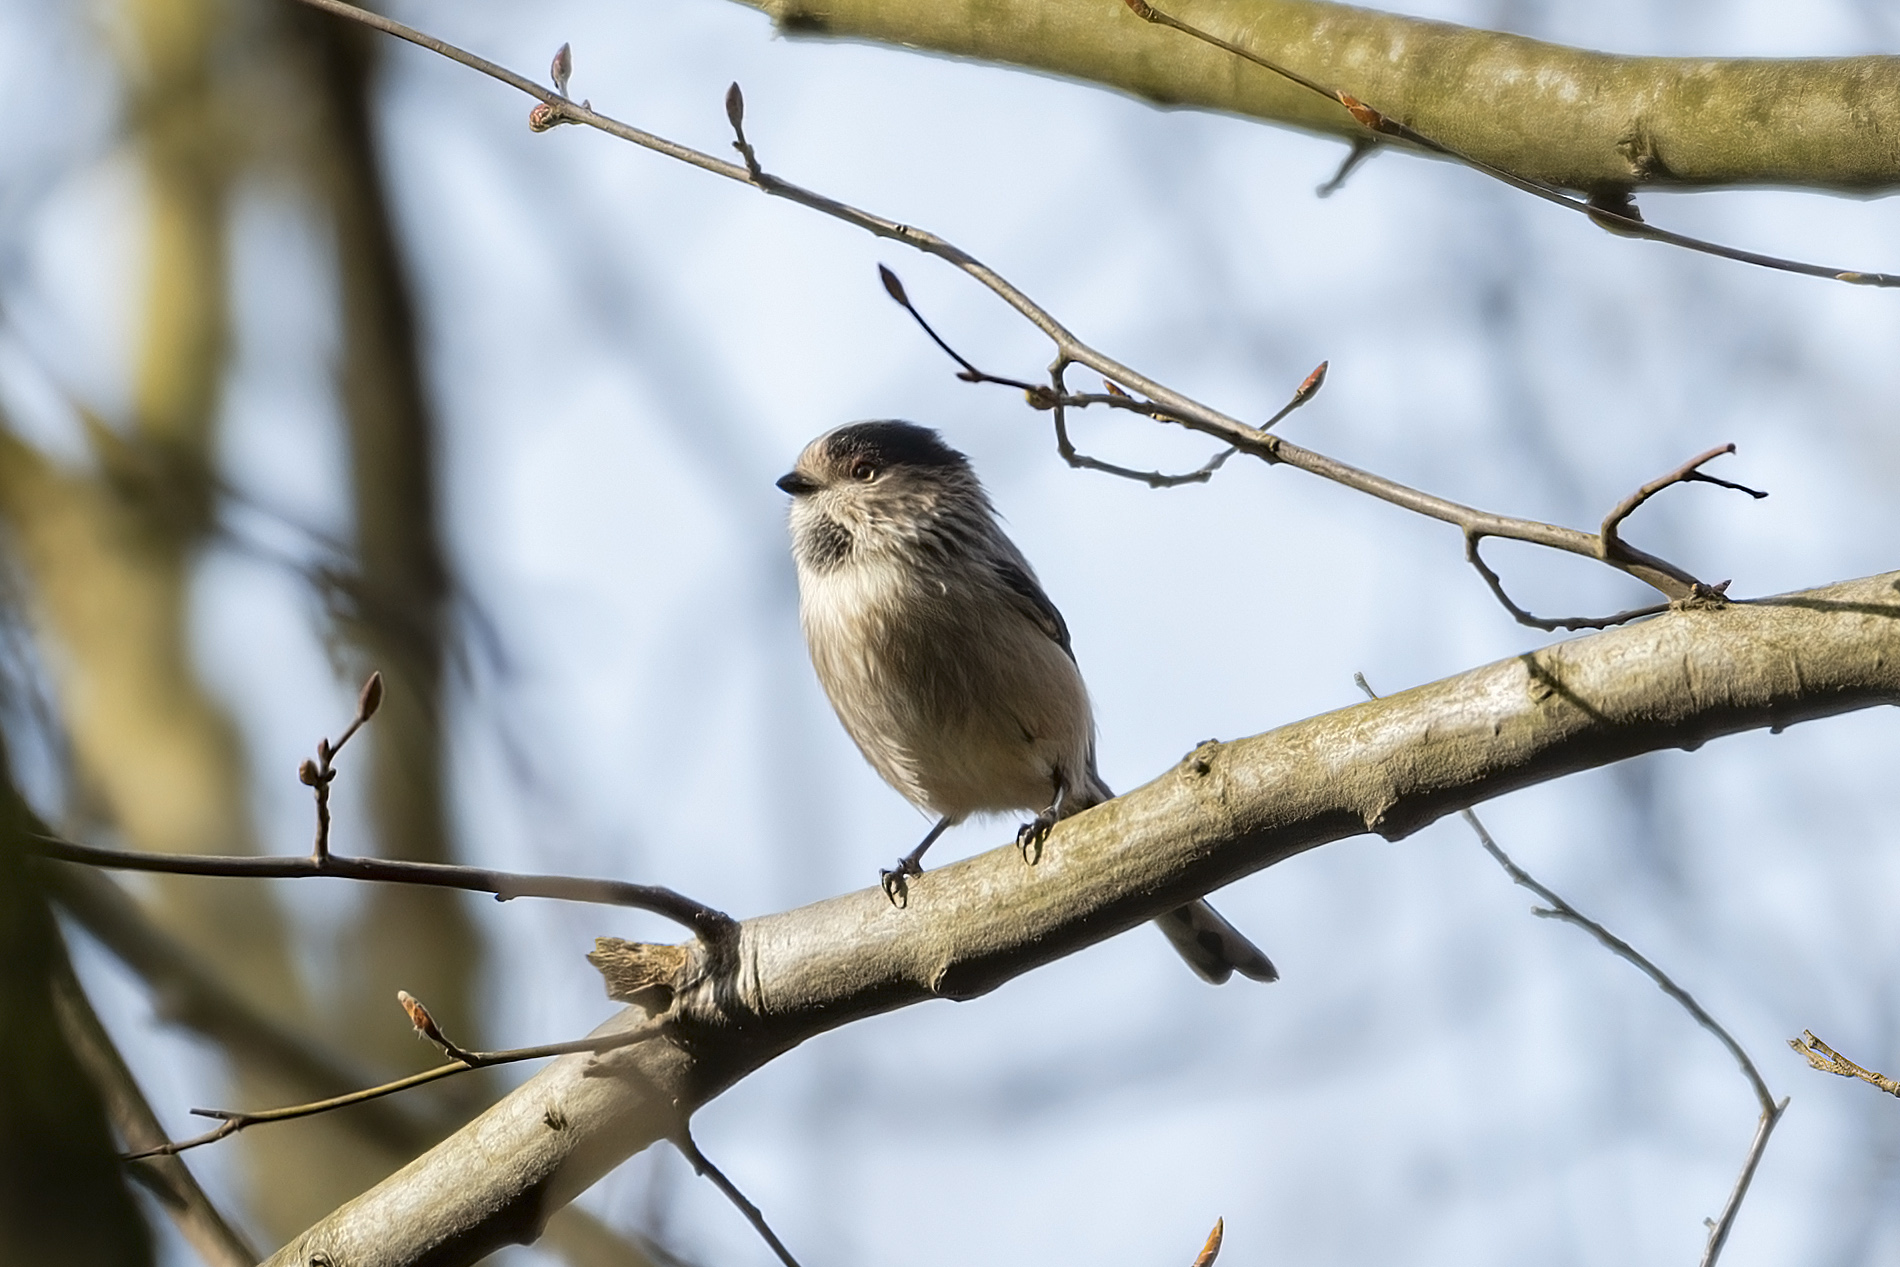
{"x":190,"y":993}
{"x":701,"y":1166}
{"x":1612,"y":549}
{"x":1547,"y":624}
{"x":1561,"y":910}
{"x":231,"y":1121}
{"x":319,"y":774}
{"x":1162,"y":402}
{"x":1771,"y":1111}
{"x":1827,"y":1060}
{"x":1363,"y":148}
{"x":1609,"y":546}
{"x":1621,"y":218}
{"x":1689,"y":472}
{"x":704,"y":921}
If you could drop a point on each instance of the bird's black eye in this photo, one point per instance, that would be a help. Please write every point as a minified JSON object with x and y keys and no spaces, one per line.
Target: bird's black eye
{"x":863,"y":470}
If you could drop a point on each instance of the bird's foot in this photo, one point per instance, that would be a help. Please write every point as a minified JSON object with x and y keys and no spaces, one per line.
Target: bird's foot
{"x":896,"y":880}
{"x":1030,"y":835}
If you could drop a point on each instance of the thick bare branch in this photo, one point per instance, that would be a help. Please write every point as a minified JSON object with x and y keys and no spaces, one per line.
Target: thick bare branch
{"x":1612,"y":207}
{"x":1228,"y":809}
{"x":1562,"y":116}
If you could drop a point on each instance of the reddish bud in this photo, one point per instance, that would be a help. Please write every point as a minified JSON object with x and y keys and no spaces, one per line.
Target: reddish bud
{"x":543,"y":117}
{"x":1314,"y":381}
{"x":1142,"y":10}
{"x":562,"y":68}
{"x":892,"y":287}
{"x":735,"y":107}
{"x":371,"y":697}
{"x":1115,"y":391}
{"x":419,"y":1016}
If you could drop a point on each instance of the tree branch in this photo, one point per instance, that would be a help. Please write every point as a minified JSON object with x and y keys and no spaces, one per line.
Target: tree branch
{"x":703,"y":920}
{"x":1612,"y":207}
{"x":187,"y":992}
{"x":1227,"y":810}
{"x":1561,"y":116}
{"x":1162,"y":403}
{"x":1771,"y":1109}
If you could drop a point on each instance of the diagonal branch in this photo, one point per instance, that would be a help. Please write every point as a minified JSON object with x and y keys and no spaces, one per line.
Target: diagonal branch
{"x":1606,"y":546}
{"x":189,"y":993}
{"x":1161,"y":402}
{"x":1617,"y":213}
{"x":1771,"y":1109}
{"x":1225,"y":811}
{"x":231,"y":1121}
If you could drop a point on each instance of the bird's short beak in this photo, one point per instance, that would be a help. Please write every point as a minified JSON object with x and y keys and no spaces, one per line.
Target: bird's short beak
{"x":796,"y":484}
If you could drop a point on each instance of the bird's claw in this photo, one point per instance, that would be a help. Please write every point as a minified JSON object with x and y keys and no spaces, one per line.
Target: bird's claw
{"x":895,"y":880}
{"x":1030,"y":835}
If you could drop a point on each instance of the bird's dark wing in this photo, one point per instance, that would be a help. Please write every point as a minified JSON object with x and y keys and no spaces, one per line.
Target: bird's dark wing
{"x":1033,"y":603}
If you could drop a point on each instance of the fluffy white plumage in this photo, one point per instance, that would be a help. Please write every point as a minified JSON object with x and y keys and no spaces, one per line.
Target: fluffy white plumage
{"x":945,"y":661}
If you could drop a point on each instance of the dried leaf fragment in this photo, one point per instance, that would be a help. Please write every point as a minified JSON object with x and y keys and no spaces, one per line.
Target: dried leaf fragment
{"x":1211,"y":1250}
{"x":1364,"y":113}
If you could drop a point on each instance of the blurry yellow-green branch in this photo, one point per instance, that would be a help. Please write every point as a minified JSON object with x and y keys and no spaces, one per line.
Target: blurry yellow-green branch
{"x":1581,"y":120}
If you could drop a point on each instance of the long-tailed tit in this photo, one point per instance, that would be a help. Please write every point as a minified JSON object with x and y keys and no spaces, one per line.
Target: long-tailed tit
{"x":945,"y":661}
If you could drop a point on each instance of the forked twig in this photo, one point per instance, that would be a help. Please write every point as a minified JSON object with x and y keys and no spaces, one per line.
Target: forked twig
{"x":1612,"y":548}
{"x":461,"y":1060}
{"x":1606,"y":546}
{"x":319,"y":774}
{"x":705,"y":922}
{"x":1827,"y":1060}
{"x":1618,"y":215}
{"x":1161,"y":402}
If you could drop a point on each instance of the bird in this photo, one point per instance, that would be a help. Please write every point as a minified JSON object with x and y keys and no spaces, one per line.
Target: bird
{"x":944,"y":659}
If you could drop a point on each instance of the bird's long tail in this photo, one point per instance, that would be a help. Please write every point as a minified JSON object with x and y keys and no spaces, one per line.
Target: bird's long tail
{"x":1215,"y":949}
{"x":1212,"y":947}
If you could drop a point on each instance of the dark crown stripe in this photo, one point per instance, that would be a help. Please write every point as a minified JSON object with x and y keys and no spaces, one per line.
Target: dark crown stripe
{"x":892,"y":443}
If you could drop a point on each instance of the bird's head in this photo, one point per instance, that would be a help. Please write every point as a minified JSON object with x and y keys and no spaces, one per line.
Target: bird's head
{"x":874,"y":486}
